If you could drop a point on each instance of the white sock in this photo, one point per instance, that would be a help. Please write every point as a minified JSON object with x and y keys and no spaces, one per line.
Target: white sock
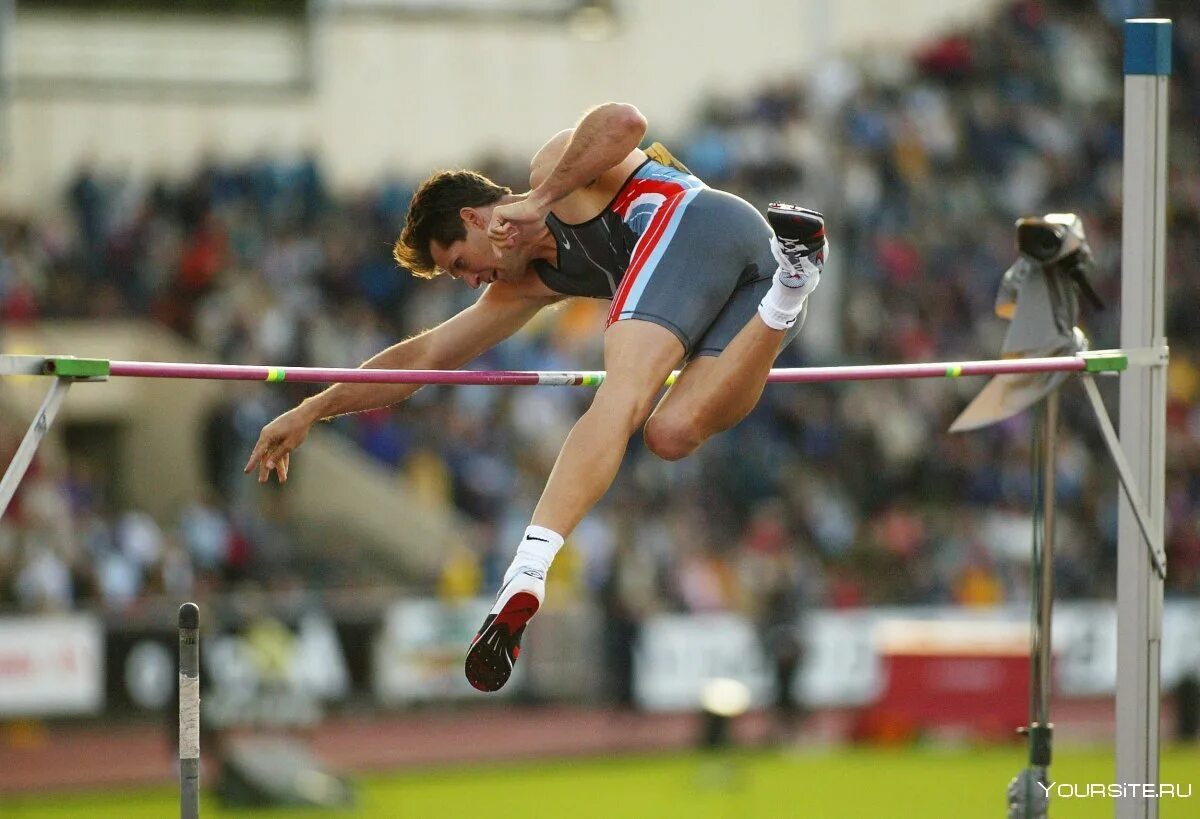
{"x":781,"y":305}
{"x":537,"y":550}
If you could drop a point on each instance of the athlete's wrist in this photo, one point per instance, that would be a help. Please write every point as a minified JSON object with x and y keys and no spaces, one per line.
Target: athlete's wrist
{"x":311,"y":409}
{"x":543,"y":198}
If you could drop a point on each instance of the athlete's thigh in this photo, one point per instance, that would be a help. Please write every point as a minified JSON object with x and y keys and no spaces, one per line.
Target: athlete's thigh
{"x":740,"y":308}
{"x":691,"y":261}
{"x":638,"y":357}
{"x":693,"y":383}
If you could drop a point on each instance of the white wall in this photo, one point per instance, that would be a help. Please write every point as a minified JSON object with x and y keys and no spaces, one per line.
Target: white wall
{"x":405,"y":94}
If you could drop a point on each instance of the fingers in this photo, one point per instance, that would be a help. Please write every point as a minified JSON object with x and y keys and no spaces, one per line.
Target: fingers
{"x":255,"y":455}
{"x":268,"y":458}
{"x":498,"y":227}
{"x":500,"y":245}
{"x":272,"y":453}
{"x":505,"y":236}
{"x":274,"y":460}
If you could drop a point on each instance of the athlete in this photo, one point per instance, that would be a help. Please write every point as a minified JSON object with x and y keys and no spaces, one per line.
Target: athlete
{"x":695,"y":275}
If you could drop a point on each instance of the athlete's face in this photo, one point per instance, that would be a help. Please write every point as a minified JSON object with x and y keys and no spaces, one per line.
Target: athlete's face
{"x":473,"y":259}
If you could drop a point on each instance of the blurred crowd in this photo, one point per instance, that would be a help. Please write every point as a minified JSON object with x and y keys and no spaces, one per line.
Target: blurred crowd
{"x":838,"y":495}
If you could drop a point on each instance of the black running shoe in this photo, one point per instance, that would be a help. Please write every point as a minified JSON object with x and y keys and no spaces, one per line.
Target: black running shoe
{"x":799,"y":244}
{"x":497,"y":644}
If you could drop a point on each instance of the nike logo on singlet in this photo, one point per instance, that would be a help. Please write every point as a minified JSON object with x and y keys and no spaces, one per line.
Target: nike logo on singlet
{"x":566,"y":243}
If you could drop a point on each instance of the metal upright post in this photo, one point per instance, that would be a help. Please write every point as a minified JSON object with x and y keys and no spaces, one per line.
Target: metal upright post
{"x":189,"y":711}
{"x":1027,"y":793}
{"x":1040,"y":727}
{"x":1143,"y":407}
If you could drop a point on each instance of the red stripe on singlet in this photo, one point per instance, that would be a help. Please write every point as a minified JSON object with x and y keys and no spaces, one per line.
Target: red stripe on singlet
{"x":642,"y":186}
{"x":643,"y":251}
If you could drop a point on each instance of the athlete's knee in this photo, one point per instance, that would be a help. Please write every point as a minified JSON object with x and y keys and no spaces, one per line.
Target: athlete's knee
{"x":671,"y":437}
{"x":622,"y":405}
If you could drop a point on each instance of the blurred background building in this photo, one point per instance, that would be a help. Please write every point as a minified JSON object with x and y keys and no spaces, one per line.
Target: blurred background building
{"x":223,"y":181}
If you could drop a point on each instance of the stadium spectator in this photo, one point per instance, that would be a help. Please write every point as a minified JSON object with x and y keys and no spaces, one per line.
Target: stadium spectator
{"x":928,"y":158}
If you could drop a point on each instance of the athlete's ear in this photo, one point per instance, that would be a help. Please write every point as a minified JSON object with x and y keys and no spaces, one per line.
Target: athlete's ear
{"x":473,"y":217}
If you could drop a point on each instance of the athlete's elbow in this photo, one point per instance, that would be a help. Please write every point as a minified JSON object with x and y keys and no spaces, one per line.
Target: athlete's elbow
{"x":632,"y":120}
{"x":625,"y":119}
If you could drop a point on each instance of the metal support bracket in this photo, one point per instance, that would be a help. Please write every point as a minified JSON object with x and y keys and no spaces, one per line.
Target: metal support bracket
{"x":1158,"y":356}
{"x":22,"y":364}
{"x":29,"y":444}
{"x":1109,"y":362}
{"x":62,"y":366}
{"x":1125,"y":473}
{"x":66,"y":370}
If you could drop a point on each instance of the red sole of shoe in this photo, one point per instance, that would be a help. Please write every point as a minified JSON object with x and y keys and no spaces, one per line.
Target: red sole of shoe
{"x":488,"y":669}
{"x":517,"y":611}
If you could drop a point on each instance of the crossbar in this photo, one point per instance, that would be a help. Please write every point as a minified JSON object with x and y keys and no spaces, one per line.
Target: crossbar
{"x":794,"y":375}
{"x":1099,"y":361}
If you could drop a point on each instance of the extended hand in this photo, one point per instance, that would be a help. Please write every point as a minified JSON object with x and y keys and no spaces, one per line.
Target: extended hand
{"x":276,"y":442}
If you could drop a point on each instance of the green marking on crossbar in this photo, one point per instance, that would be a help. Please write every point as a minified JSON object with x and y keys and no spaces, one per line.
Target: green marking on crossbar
{"x":1106,"y":362}
{"x":954,"y":371}
{"x":276,"y":374}
{"x":67,"y":367}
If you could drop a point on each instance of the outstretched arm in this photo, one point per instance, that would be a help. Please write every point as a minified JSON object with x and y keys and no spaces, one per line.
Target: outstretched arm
{"x":492,"y":318}
{"x":495,"y":316}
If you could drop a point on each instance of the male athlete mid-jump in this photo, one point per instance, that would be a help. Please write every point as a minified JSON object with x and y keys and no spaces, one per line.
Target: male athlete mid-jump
{"x":695,"y":275}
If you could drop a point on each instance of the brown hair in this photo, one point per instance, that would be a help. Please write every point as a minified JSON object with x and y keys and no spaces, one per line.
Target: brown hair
{"x":433,"y":216}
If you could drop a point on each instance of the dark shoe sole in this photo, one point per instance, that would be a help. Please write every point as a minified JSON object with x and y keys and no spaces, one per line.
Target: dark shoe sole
{"x":497,"y":645}
{"x":797,"y":223}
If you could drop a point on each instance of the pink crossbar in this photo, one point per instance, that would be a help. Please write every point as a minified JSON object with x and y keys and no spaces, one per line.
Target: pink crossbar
{"x":797,"y":375}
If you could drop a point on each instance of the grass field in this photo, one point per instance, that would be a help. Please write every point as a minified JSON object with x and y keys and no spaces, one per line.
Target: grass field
{"x":962,"y":783}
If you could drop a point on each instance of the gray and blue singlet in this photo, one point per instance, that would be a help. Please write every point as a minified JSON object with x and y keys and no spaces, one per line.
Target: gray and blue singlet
{"x":670,"y":250}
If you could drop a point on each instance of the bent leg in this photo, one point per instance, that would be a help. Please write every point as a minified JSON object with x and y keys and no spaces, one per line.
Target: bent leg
{"x":713,"y":394}
{"x":638,"y":357}
{"x":758,"y":320}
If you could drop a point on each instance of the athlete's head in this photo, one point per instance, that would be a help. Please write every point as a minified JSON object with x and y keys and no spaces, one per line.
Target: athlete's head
{"x":446,"y":228}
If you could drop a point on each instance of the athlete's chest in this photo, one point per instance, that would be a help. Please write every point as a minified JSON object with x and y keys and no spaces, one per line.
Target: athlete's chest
{"x":597,"y":249}
{"x":592,"y":256}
